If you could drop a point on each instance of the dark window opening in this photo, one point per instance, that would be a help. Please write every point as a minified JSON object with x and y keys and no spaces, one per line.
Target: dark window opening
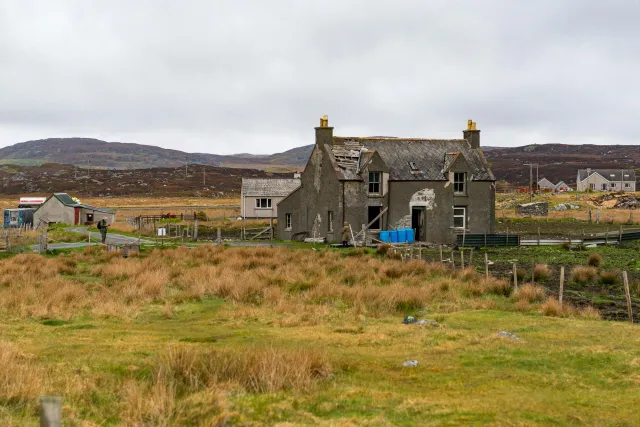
{"x":374,"y":211}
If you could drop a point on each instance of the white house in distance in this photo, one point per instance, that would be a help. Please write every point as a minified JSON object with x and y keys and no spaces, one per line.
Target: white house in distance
{"x":260,"y":197}
{"x":547,"y":186}
{"x":606,"y":180}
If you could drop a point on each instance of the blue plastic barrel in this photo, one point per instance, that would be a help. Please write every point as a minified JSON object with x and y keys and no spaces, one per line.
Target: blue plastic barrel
{"x":384,"y":236}
{"x":402,"y":235}
{"x":393,"y":236}
{"x":410,"y":235}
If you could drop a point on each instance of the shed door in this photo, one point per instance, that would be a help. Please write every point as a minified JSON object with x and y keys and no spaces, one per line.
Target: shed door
{"x":77,"y":216}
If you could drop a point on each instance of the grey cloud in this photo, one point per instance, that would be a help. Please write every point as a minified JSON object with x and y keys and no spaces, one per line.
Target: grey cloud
{"x":254,"y":76}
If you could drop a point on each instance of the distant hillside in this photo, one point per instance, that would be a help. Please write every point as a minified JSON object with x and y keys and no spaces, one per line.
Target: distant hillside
{"x":194,"y":180}
{"x":95,"y":153}
{"x":557,"y":161}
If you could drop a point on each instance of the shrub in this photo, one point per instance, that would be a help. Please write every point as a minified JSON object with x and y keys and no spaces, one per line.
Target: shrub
{"x":530,"y":293}
{"x":383,"y":249}
{"x":551,"y":307}
{"x":608,"y":277}
{"x":589,"y":312}
{"x":522,"y":305}
{"x":582,"y":274}
{"x":594,"y":260}
{"x":541,"y":272}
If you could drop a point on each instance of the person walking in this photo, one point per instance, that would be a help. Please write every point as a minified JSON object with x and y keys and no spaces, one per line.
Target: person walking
{"x":346,"y":230}
{"x":102,"y":226}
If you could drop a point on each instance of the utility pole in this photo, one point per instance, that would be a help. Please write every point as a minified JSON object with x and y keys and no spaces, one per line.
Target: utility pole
{"x":537,"y":181}
{"x":530,"y":180}
{"x":204,"y":179}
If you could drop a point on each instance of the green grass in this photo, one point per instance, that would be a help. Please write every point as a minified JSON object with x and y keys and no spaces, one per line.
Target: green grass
{"x":563,"y":371}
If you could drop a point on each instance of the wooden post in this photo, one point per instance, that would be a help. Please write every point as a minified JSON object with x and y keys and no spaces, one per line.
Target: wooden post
{"x":461,"y":259}
{"x":453,"y":260}
{"x":441,"y":258}
{"x":271,"y":228}
{"x":486,"y":265}
{"x":515,"y":277}
{"x":560,"y":294}
{"x":625,"y":279}
{"x":219,"y":237}
{"x":50,"y":411}
{"x":195,"y":229}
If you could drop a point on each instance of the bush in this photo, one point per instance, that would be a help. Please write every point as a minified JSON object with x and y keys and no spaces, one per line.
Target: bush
{"x":552,"y":307}
{"x":541,"y":272}
{"x":609,"y":277}
{"x":594,"y":260}
{"x":529,"y":293}
{"x":383,"y":249}
{"x":582,"y":274}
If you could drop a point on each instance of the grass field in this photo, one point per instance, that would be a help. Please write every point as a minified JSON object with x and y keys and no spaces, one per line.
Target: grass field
{"x":214,"y":336}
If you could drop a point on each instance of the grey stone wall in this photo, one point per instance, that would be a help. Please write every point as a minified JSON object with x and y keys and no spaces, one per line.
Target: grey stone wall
{"x":533,"y":209}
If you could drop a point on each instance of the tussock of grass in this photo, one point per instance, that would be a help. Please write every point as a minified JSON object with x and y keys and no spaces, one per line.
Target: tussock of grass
{"x":609,"y":277}
{"x":595,"y":260}
{"x":20,"y":380}
{"x":581,"y":274}
{"x":541,"y":272}
{"x":529,"y":293}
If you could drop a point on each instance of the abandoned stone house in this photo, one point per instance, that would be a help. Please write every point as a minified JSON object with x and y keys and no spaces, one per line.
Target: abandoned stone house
{"x":438,"y":187}
{"x":606,"y":180}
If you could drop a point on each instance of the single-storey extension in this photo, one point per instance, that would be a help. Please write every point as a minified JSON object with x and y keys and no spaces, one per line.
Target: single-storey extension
{"x":62,"y":208}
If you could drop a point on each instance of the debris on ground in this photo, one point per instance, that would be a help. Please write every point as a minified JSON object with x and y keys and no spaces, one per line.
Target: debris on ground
{"x":565,"y":207}
{"x":508,"y":335}
{"x":533,"y":208}
{"x":412,"y":363}
{"x":616,"y":201}
{"x":427,"y":322}
{"x":409,"y":320}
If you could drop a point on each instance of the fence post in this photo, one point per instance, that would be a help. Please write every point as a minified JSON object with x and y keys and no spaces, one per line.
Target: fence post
{"x":219,"y":237}
{"x":195,"y":229}
{"x":515,"y":277}
{"x":627,"y":295}
{"x":560,"y":294}
{"x":50,"y":411}
{"x":270,"y":228}
{"x":453,"y":260}
{"x":486,"y":265}
{"x":461,"y":259}
{"x":441,"y":259}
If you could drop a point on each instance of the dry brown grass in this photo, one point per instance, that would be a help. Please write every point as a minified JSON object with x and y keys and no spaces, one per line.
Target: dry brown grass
{"x":21,"y":381}
{"x":581,"y":274}
{"x":609,"y":277}
{"x":595,"y":260}
{"x":541,"y":272}
{"x":529,"y":293}
{"x":552,"y":307}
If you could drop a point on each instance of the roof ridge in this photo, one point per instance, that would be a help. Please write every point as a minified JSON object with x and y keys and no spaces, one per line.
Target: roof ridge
{"x":397,"y":138}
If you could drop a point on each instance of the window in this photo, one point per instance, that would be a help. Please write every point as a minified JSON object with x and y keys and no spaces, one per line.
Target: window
{"x":592,"y":186}
{"x":627,"y":185}
{"x":374,"y":211}
{"x":604,"y":186}
{"x":330,"y":221}
{"x":89,"y":217}
{"x":287,"y":221}
{"x":374,"y":182}
{"x":459,"y":179}
{"x":613,"y":184}
{"x":459,"y":217}
{"x":626,"y":175}
{"x":263,"y":203}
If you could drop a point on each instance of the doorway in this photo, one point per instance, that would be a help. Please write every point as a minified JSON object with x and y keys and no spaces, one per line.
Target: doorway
{"x":418,"y":224}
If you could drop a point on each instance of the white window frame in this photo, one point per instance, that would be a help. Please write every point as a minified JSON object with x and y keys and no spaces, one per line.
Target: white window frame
{"x":627,"y":185}
{"x":330,"y":221}
{"x":613,"y":184}
{"x":267,"y":203}
{"x":592,"y":187}
{"x":603,"y":187}
{"x":375,"y":178}
{"x":459,"y":215}
{"x":457,"y":183}
{"x":287,"y":221}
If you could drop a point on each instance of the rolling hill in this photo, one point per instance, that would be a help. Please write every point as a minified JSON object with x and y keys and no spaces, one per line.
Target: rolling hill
{"x":557,"y":161}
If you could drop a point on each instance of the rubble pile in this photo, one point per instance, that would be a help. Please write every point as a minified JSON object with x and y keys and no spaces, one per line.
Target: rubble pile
{"x":616,"y":201}
{"x":565,"y":207}
{"x":533,"y":209}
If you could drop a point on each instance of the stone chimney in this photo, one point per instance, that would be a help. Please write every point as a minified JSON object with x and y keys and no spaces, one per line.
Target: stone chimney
{"x":471,"y":134}
{"x":324,"y":133}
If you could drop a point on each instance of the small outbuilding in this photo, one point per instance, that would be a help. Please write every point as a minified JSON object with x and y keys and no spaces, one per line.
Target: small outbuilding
{"x":62,"y":208}
{"x":260,"y":197}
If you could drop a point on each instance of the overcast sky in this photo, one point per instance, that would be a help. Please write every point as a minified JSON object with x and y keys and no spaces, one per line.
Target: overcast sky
{"x":255,"y":76}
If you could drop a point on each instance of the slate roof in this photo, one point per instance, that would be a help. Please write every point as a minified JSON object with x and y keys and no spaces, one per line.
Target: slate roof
{"x":431,"y":157}
{"x":65,"y":199}
{"x":269,"y":187}
{"x":606,"y":173}
{"x":93,"y":208}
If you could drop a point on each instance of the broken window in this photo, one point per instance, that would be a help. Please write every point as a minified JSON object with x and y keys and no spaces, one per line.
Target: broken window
{"x":287,"y":221}
{"x":374,"y":182}
{"x":459,"y":179}
{"x":459,"y":217}
{"x":263,"y":203}
{"x":330,"y":221}
{"x":373,"y":212}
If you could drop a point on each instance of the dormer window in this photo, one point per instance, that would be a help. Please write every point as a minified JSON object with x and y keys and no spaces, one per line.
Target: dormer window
{"x":375,"y":178}
{"x":459,"y":182}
